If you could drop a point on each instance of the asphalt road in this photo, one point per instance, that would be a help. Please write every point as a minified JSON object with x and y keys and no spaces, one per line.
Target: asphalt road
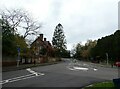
{"x":64,"y":74}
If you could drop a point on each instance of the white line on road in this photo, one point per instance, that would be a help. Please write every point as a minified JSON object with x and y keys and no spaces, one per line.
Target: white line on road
{"x":78,"y":68}
{"x":81,"y":68}
{"x":34,"y":74}
{"x":95,"y":69}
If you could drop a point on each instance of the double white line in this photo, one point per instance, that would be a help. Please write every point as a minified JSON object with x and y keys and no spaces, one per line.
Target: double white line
{"x":34,"y":74}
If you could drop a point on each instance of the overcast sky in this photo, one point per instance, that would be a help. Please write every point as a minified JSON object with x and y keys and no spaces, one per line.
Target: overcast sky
{"x":81,"y":19}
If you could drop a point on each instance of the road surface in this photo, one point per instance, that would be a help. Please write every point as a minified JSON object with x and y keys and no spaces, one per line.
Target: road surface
{"x":64,"y":74}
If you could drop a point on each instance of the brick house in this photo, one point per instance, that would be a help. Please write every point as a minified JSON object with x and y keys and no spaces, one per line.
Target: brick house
{"x":41,"y":50}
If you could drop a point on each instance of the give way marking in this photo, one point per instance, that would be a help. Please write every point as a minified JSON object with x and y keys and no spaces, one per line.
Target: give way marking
{"x":33,"y":74}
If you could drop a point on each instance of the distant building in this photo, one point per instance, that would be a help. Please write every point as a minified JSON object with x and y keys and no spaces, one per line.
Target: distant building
{"x":41,"y":50}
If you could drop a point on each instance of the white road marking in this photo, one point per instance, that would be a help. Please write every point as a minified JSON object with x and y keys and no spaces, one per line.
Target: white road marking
{"x":78,"y":68}
{"x":83,"y":67}
{"x":95,"y":69}
{"x":34,"y":74}
{"x":31,"y":71}
{"x":71,"y":68}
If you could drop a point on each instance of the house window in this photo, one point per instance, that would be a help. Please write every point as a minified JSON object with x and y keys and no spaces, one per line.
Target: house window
{"x":40,"y":47}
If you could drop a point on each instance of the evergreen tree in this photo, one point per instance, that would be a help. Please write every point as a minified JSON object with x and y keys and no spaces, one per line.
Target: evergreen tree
{"x":59,"y":41}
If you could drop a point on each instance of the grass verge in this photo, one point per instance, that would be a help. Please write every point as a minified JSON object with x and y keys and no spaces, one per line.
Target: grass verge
{"x":102,"y":85}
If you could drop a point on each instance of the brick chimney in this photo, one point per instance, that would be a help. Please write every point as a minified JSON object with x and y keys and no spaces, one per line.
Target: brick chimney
{"x":41,"y":37}
{"x":44,"y":39}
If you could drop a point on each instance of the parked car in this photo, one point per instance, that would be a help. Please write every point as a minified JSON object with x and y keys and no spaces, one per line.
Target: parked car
{"x":117,"y":64}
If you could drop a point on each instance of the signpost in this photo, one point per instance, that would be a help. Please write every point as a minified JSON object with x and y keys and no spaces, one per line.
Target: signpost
{"x":18,"y":59}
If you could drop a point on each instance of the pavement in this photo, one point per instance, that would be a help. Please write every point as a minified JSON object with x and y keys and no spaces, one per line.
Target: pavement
{"x":24,"y":66}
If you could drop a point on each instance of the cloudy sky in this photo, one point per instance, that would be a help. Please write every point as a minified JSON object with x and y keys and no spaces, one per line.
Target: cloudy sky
{"x":81,"y":19}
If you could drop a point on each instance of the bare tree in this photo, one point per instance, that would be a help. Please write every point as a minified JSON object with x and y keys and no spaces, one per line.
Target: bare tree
{"x":20,"y":19}
{"x":14,"y":17}
{"x":31,"y":27}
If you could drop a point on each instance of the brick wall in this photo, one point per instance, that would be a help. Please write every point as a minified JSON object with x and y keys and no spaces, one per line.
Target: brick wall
{"x":8,"y":61}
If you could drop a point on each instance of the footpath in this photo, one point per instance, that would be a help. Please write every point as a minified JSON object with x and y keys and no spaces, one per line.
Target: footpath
{"x":101,"y":64}
{"x":24,"y":66}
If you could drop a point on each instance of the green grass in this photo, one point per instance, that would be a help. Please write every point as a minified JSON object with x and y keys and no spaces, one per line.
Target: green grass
{"x":103,"y":85}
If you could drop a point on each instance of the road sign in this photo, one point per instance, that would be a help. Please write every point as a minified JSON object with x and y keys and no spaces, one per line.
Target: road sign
{"x":18,"y":49}
{"x":18,"y":59}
